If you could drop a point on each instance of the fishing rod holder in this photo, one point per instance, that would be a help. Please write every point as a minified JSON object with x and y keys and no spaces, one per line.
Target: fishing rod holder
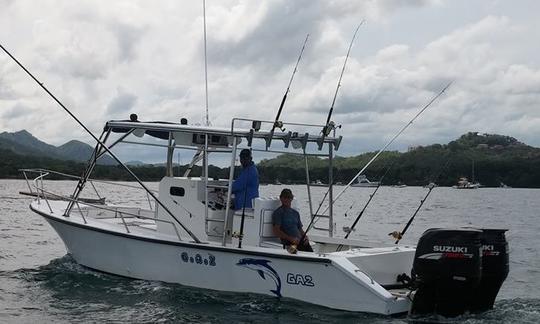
{"x":297,"y":139}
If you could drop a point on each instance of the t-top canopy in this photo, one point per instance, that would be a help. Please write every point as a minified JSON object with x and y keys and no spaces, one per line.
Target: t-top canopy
{"x":217,"y":136}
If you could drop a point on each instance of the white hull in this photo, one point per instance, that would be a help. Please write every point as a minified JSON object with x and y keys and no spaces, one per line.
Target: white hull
{"x":330,"y":280}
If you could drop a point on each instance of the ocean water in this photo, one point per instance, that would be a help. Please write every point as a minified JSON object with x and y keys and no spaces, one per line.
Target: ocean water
{"x":40,"y":283}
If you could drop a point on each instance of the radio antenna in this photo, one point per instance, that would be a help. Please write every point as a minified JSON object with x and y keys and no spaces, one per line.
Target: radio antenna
{"x":205,"y":64}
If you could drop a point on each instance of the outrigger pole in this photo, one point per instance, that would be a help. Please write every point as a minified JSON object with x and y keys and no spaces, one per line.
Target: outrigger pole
{"x":102,"y":145}
{"x":277,"y":122}
{"x":328,"y":126}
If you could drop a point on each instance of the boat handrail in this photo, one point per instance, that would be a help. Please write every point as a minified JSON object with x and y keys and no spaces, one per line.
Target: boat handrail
{"x":118,"y":213}
{"x":74,"y":177}
{"x":36,"y":181}
{"x":78,"y":177}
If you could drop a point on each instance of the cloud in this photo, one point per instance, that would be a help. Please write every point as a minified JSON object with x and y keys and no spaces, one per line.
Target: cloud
{"x":122,"y":103}
{"x":104,"y":60}
{"x":18,"y":110}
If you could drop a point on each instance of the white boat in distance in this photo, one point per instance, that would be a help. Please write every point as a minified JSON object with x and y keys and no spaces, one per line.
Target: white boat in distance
{"x":464,"y":183}
{"x":363,"y":181}
{"x":190,"y":235}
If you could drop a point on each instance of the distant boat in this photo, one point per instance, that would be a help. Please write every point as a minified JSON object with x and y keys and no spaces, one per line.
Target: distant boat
{"x":363,"y":181}
{"x":502,"y":185}
{"x":464,"y":183}
{"x":399,"y":185}
{"x":430,"y":185}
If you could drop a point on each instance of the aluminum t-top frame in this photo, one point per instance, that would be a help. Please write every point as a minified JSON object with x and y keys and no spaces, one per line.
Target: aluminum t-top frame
{"x":208,"y":139}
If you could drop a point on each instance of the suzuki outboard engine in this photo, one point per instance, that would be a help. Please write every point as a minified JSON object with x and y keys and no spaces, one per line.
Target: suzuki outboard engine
{"x":452,"y":276}
{"x":447,"y":270}
{"x":494,"y":269}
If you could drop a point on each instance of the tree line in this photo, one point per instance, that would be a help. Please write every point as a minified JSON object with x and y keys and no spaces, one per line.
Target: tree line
{"x":494,"y":159}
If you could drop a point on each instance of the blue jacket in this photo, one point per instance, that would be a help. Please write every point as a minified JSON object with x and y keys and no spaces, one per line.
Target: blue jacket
{"x":248,"y":180}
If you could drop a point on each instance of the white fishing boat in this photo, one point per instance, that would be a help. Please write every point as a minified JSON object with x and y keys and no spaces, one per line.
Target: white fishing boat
{"x":363,"y":181}
{"x":464,"y":183}
{"x":190,"y":235}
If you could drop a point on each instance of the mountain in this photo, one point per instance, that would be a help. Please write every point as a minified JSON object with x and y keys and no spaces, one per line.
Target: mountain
{"x":24,"y":143}
{"x":135,"y":163}
{"x":79,"y":151}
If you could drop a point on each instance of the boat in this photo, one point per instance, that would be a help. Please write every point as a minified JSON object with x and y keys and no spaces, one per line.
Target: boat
{"x":430,"y":185}
{"x":362,"y":181}
{"x":464,"y":183}
{"x":503,"y":185}
{"x":189,"y":234}
{"x":399,"y":185}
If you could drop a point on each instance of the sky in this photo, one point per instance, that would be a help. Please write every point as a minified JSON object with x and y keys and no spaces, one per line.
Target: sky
{"x":107,"y":59}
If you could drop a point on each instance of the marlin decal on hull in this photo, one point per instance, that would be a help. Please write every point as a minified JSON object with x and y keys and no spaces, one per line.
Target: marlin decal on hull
{"x":263,"y":268}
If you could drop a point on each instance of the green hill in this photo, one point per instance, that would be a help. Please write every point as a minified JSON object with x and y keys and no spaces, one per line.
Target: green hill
{"x":496,"y":159}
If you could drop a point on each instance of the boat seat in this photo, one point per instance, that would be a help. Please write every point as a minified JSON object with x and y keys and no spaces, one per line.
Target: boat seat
{"x":267,"y":232}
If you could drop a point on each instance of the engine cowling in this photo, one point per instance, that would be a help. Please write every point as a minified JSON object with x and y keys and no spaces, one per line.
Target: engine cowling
{"x":447,"y":270}
{"x":458,"y":270}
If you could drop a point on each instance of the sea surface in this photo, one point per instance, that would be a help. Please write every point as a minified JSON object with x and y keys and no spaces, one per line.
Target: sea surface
{"x":40,"y":283}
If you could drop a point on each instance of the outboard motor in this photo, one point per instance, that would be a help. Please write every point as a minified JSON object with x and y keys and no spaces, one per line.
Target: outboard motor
{"x":447,"y":270}
{"x":495,"y":269}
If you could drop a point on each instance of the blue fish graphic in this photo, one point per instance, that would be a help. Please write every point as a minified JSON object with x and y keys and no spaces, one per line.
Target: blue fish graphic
{"x":263,"y":268}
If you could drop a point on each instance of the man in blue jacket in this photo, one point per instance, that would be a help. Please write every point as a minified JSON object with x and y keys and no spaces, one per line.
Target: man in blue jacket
{"x":246,"y":186}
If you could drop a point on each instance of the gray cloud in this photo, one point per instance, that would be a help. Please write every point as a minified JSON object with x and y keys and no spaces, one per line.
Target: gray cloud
{"x":128,"y":38}
{"x":86,"y":51}
{"x":18,"y":110}
{"x":123,"y":102}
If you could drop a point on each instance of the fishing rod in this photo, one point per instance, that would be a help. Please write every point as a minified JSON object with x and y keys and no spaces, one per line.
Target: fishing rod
{"x":329,"y":126}
{"x":102,"y":144}
{"x":384,"y":148}
{"x":242,"y":220}
{"x":277,"y":122}
{"x":399,"y":235}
